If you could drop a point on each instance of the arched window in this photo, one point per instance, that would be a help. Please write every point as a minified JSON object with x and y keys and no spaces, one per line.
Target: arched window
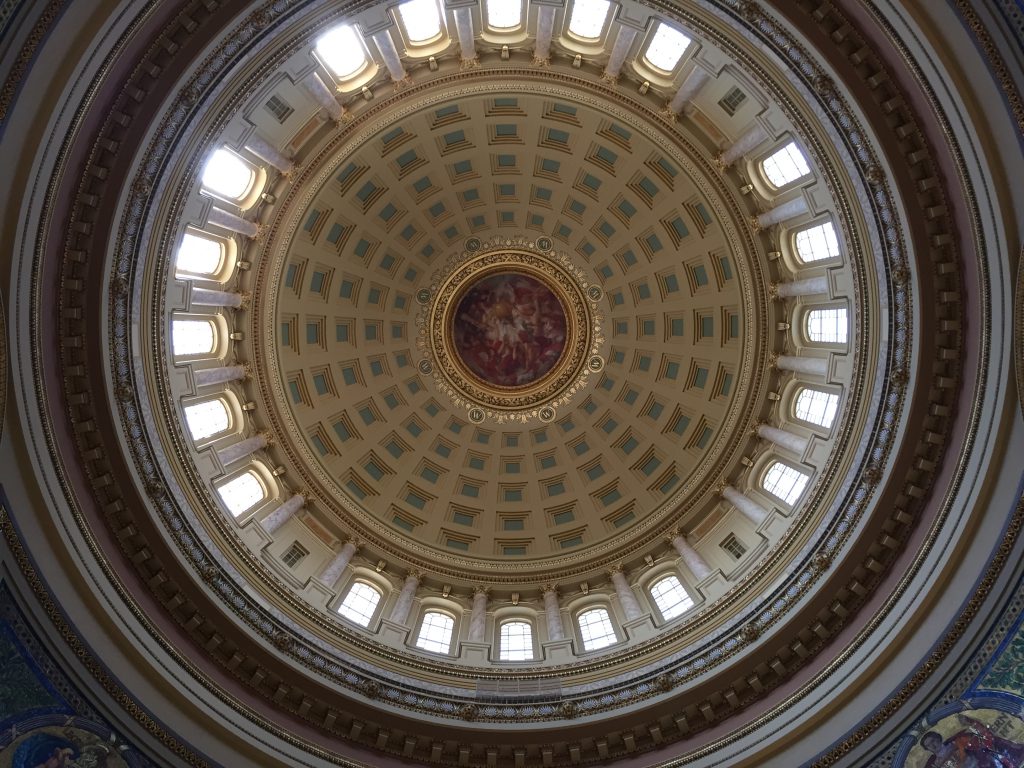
{"x":504,"y":15}
{"x":666,"y":48}
{"x":199,"y":256}
{"x":515,"y":641}
{"x":192,"y":337}
{"x":435,"y":632}
{"x":207,"y":418}
{"x":421,"y":19}
{"x":784,"y":482}
{"x":670,"y":597}
{"x":596,"y":629}
{"x":785,"y":165}
{"x":827,"y":326}
{"x":817,"y":243}
{"x":816,"y":407}
{"x":341,"y":51}
{"x":588,"y":17}
{"x":360,"y":603}
{"x":241,"y":493}
{"x":227,"y":175}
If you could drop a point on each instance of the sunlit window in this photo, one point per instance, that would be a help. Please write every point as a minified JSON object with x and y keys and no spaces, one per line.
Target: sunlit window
{"x":207,"y":418}
{"x":504,"y":14}
{"x":192,"y":337}
{"x":588,"y":17}
{"x":199,"y":255}
{"x":515,"y":641}
{"x":785,"y":165}
{"x":784,"y":482}
{"x":341,"y":51}
{"x":241,"y":493}
{"x":360,"y":603}
{"x":667,"y":47}
{"x":816,"y":406}
{"x":670,"y":597}
{"x":435,"y":632}
{"x":228,"y":175}
{"x":817,"y":243}
{"x":827,"y":325}
{"x":596,"y":629}
{"x":421,"y":19}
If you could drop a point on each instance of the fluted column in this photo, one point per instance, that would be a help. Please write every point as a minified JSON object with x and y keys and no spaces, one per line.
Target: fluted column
{"x":232,"y":222}
{"x":623,"y":42}
{"x":698,"y":565}
{"x":265,"y":151}
{"x":323,"y":96}
{"x":333,"y":570}
{"x":750,"y":508}
{"x":744,"y":144}
{"x":389,"y":53}
{"x":790,"y":209}
{"x":220,"y":375}
{"x":628,"y":601}
{"x":816,"y":365}
{"x":812,"y":286}
{"x":478,"y":617}
{"x":283,"y":514}
{"x":232,"y":453}
{"x":553,"y":613}
{"x":464,"y":29}
{"x":400,"y":613}
{"x":795,"y":443}
{"x":688,"y":91}
{"x":545,"y":28}
{"x":206,"y":297}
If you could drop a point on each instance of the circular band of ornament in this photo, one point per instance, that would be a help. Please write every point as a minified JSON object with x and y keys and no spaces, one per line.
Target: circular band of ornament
{"x":509,"y":329}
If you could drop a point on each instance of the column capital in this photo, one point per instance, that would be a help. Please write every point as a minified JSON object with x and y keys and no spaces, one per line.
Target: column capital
{"x":414,"y":574}
{"x":479,"y":589}
{"x":552,"y":587}
{"x":617,"y":568}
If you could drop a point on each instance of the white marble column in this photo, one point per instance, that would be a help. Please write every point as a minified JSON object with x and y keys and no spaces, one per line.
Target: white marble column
{"x":744,"y":144}
{"x":553,"y":613}
{"x":232,"y":453}
{"x":220,"y":375}
{"x":795,"y":443}
{"x":688,"y":91}
{"x":265,"y":151}
{"x":478,"y":617}
{"x":323,"y":96}
{"x":545,"y":28}
{"x":464,"y":30}
{"x":750,"y":508}
{"x":623,"y":42}
{"x":283,"y":514}
{"x":403,"y":606}
{"x":232,"y":222}
{"x":790,"y":209}
{"x":389,"y":53}
{"x":698,"y":565}
{"x":206,"y":297}
{"x":817,"y":365}
{"x":333,"y":570}
{"x":812,"y":286}
{"x":628,"y":601}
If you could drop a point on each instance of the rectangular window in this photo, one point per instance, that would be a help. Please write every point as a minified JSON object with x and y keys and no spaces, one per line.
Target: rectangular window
{"x":279,"y":108}
{"x":732,"y":100}
{"x":294,"y":554}
{"x":733,"y":546}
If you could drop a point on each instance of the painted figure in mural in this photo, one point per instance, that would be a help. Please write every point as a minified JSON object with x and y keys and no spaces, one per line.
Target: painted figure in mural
{"x":973,"y":746}
{"x":48,"y":750}
{"x":509,"y":329}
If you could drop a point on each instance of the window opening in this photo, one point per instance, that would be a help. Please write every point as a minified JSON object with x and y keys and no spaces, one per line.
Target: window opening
{"x":588,"y":17}
{"x":785,"y":165}
{"x":279,"y":108}
{"x":784,"y":482}
{"x":667,"y":47}
{"x":242,"y":493}
{"x":360,"y":603}
{"x":341,"y":51}
{"x":226,"y":174}
{"x":596,"y":629}
{"x":421,"y":19}
{"x":192,"y":337}
{"x":827,"y":325}
{"x":504,"y":14}
{"x":817,"y":243}
{"x":207,"y":418}
{"x":294,"y":554}
{"x":732,"y":100}
{"x":516,"y":641}
{"x":733,"y":546}
{"x":199,"y":255}
{"x":435,"y":632}
{"x":670,"y":597}
{"x":816,"y":407}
